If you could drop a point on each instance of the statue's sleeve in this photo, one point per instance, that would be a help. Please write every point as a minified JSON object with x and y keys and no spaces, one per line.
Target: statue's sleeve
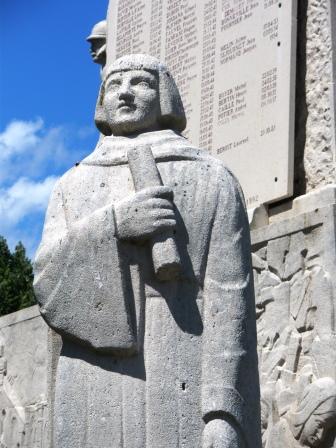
{"x":80,"y":279}
{"x":230,"y":385}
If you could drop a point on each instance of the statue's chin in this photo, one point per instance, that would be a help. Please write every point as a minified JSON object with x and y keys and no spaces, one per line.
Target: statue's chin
{"x":126,"y":129}
{"x":313,"y":441}
{"x":133,"y":126}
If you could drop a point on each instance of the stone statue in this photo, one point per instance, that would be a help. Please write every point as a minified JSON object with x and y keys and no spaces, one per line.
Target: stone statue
{"x":309,"y":423}
{"x":97,"y":39}
{"x":144,"y":270}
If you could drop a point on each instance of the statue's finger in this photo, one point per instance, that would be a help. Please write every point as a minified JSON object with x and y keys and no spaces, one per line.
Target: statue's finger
{"x":162,"y":213}
{"x":156,"y":192}
{"x":160,"y":203}
{"x":165,"y":223}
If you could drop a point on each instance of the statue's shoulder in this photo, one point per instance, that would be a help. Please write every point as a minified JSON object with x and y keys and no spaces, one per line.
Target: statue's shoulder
{"x":72,"y":177}
{"x":221,"y":179}
{"x":217,"y":168}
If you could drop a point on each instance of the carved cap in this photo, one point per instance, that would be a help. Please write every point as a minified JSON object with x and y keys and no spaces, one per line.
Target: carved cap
{"x":319,"y":398}
{"x":136,"y":62}
{"x":98,"y":31}
{"x":172,"y":112}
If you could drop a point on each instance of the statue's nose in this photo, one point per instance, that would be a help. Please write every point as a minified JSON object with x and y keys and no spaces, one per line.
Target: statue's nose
{"x":125,"y":91}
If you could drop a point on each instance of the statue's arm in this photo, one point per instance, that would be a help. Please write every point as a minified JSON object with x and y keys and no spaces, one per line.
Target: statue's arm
{"x":229,"y":369}
{"x":54,"y":232}
{"x":59,"y":238}
{"x":80,"y":278}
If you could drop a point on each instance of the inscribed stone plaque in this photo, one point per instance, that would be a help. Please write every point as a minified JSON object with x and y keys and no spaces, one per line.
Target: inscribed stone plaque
{"x":234,"y":63}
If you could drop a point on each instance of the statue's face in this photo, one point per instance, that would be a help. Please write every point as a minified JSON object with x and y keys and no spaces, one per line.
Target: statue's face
{"x":95,"y":50}
{"x":132,"y":102}
{"x":315,"y":430}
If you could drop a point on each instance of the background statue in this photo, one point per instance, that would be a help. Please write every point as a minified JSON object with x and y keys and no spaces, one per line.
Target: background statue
{"x":149,"y":360}
{"x":97,"y":39}
{"x":308,"y":424}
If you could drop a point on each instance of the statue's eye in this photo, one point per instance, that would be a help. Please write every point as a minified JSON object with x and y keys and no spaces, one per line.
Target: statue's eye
{"x":114,"y":83}
{"x":141,"y":82}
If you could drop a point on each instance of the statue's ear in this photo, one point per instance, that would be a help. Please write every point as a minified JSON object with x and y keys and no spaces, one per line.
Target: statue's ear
{"x":100,"y":114}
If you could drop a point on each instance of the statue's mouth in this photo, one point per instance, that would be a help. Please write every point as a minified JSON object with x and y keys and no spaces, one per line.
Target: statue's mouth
{"x":127,"y":106}
{"x":93,"y":54}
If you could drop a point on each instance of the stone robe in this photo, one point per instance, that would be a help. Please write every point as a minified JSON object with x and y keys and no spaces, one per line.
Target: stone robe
{"x":145,"y":363}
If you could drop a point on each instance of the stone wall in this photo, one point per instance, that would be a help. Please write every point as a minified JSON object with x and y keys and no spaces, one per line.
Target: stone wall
{"x":23,"y":380}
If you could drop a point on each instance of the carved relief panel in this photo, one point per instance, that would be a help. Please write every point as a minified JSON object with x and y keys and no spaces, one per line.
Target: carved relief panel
{"x":296,"y":335}
{"x":23,"y":380}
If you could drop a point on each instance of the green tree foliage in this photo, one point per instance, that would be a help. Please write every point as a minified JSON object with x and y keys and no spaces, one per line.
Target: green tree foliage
{"x":16,"y":279}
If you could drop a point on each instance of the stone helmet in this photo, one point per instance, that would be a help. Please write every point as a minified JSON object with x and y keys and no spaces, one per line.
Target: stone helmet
{"x":98,"y":31}
{"x":172,"y":114}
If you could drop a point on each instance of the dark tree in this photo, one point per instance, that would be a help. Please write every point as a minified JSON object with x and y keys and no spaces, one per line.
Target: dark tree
{"x":23,"y":276}
{"x":16,"y":279}
{"x":7,"y":301}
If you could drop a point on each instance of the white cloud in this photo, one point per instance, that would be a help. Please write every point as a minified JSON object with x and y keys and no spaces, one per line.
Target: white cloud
{"x":23,"y":198}
{"x":19,"y":136}
{"x":32,"y":156}
{"x":31,"y":149}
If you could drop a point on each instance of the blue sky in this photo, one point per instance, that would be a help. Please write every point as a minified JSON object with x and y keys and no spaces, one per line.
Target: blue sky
{"x":48,"y":89}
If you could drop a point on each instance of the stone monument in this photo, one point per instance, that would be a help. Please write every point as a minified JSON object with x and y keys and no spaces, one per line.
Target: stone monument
{"x":144,"y":270}
{"x":293,"y":241}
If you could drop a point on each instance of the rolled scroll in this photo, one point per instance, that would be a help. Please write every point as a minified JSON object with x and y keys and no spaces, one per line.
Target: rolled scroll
{"x":145,"y":174}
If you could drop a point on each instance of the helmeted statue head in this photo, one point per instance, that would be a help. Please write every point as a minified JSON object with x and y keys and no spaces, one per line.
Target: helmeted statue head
{"x":316,"y":412}
{"x":97,"y":39}
{"x":138,"y":94}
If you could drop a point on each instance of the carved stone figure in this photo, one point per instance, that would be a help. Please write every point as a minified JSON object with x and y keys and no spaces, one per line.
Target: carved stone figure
{"x":97,"y":39}
{"x":308,"y":424}
{"x":144,"y":270}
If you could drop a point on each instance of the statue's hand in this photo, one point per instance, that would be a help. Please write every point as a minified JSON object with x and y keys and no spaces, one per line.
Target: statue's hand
{"x":144,"y":214}
{"x":220,"y":434}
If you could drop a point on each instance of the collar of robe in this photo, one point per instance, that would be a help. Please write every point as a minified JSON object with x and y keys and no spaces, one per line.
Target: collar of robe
{"x":166,"y":145}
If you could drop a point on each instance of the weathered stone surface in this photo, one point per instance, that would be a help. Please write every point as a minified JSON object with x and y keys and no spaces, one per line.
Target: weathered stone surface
{"x":320,"y":138}
{"x":145,"y":362}
{"x":296,"y":324}
{"x":315,"y":140}
{"x":23,"y":380}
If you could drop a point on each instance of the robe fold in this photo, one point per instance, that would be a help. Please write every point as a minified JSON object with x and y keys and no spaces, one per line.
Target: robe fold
{"x":145,"y":363}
